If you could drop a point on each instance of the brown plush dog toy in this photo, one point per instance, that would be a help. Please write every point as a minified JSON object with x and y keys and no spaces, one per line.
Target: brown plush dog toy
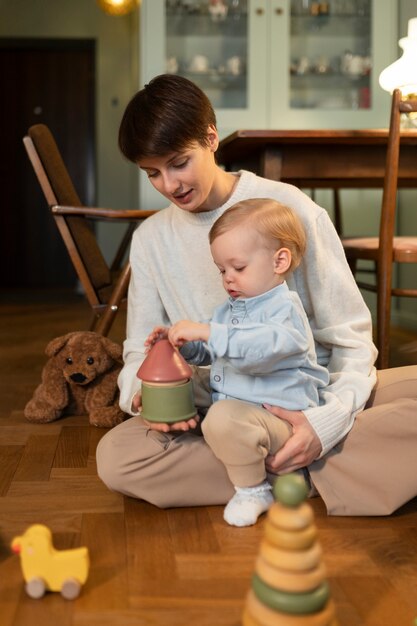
{"x":80,"y":378}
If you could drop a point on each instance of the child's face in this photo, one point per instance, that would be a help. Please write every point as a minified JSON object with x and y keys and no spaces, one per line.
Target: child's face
{"x":246,"y":263}
{"x":186,"y":178}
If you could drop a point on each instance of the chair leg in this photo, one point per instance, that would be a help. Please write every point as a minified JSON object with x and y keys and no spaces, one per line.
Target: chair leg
{"x":383,"y":319}
{"x":124,"y":244}
{"x":337,"y":212}
{"x":383,"y":340}
{"x":107,"y":318}
{"x":352,"y":264}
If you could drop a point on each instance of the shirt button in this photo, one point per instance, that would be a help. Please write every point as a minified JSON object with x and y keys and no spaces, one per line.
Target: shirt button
{"x":235,"y":320}
{"x":217,"y":378}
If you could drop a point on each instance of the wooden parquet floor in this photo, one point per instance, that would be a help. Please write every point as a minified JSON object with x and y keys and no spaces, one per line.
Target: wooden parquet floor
{"x":151,"y":567}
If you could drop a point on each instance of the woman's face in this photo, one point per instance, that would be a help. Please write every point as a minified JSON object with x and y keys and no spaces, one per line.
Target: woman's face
{"x":186,"y":178}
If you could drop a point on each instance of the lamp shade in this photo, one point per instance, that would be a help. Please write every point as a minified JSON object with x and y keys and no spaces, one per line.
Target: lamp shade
{"x":402,"y":74}
{"x":117,"y":7}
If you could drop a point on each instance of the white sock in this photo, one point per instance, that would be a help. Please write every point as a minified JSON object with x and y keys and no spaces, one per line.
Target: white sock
{"x":247,"y":504}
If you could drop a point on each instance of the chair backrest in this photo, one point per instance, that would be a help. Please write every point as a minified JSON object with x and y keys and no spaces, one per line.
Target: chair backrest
{"x":58,"y":189}
{"x":389,"y":197}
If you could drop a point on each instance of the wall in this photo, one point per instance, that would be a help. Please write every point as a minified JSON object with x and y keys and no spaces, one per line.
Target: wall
{"x":116,"y":80}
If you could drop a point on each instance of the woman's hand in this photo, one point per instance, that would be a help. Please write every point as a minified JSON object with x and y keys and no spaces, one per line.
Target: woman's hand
{"x":185,"y":330}
{"x":167,"y":428}
{"x":137,"y":402}
{"x":163,"y":427}
{"x":301,"y":449}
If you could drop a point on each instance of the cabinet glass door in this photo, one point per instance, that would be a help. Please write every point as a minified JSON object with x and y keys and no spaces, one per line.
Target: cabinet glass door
{"x":276,"y":63}
{"x":327,"y":74}
{"x":330,"y":54}
{"x":207,"y":42}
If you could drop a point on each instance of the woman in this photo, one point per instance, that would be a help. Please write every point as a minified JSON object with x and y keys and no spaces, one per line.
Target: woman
{"x":169,"y":131}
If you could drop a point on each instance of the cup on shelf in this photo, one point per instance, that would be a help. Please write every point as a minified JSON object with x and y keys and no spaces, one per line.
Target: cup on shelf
{"x":303,"y":66}
{"x":234,"y":65}
{"x":218,"y":10}
{"x":355,"y":64}
{"x":199,"y":63}
{"x":322,"y":65}
{"x":171,"y":65}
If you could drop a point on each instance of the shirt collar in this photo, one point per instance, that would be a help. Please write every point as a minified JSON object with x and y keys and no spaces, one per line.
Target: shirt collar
{"x":248,"y":304}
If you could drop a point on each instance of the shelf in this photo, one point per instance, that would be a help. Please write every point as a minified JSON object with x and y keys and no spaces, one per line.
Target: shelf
{"x":331,"y":25}
{"x":332,"y":80}
{"x":190,"y":25}
{"x":330,"y":106}
{"x":217,"y":80}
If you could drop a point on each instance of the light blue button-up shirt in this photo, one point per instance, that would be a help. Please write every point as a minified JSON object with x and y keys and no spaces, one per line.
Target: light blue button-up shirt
{"x":261,"y":349}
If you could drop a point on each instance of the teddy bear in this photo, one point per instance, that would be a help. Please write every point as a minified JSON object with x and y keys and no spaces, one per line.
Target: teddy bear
{"x":79,"y":378}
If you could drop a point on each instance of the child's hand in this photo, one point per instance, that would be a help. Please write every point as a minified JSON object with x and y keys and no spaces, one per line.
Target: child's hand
{"x":185,"y":330}
{"x":159,"y":332}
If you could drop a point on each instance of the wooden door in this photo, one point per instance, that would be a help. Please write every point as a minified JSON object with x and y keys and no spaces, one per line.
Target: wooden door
{"x":51,"y":82}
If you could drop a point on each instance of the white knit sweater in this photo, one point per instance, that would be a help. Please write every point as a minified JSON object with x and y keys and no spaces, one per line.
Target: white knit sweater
{"x":174,"y":277}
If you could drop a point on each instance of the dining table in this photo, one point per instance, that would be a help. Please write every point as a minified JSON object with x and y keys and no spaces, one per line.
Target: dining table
{"x":330,"y":159}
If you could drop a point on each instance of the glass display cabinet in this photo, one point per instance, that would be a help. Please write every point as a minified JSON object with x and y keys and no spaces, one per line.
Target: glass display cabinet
{"x":331,"y":54}
{"x":208,"y":43}
{"x":276,"y":63}
{"x":281,"y":64}
{"x":219,"y":44}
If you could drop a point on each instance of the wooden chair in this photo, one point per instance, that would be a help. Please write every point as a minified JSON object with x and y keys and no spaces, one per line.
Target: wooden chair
{"x":105,"y":287}
{"x":386,"y":249}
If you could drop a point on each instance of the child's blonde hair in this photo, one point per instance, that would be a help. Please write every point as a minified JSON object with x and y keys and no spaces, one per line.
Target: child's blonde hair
{"x":276,"y":222}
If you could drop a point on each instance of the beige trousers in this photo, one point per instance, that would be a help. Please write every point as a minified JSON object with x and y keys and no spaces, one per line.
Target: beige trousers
{"x":372,"y":472}
{"x":241,"y":435}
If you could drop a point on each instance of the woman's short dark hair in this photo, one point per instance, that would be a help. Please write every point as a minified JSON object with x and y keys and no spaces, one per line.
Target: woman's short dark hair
{"x":167,"y":115}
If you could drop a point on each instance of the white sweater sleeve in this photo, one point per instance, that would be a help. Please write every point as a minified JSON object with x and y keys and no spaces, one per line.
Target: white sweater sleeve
{"x":341,"y":325}
{"x":165,"y":286}
{"x":145,"y":311}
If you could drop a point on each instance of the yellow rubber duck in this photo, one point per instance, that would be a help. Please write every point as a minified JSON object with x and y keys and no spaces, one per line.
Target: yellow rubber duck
{"x":47,"y":569}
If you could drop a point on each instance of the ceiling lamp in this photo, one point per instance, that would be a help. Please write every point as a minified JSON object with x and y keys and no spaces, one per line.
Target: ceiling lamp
{"x":117,"y":7}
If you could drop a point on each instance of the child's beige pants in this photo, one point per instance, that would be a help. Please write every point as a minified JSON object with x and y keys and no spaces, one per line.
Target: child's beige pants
{"x":241,"y":435}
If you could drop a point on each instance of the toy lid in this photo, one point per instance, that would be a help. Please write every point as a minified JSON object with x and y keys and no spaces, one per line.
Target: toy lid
{"x":164,"y":364}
